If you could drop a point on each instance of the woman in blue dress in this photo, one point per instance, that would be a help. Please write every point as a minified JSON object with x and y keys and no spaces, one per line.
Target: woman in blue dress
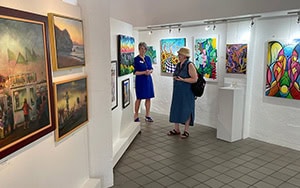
{"x":143,"y":82}
{"x":183,"y":100}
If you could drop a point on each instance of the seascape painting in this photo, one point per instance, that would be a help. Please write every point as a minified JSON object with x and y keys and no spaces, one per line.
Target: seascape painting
{"x":71,"y":105}
{"x":206,"y":57}
{"x":67,"y":42}
{"x":236,"y":58}
{"x":168,"y":53}
{"x":283,"y":69}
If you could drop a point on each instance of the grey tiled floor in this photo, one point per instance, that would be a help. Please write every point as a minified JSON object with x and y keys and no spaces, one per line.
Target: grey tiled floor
{"x":156,"y":160}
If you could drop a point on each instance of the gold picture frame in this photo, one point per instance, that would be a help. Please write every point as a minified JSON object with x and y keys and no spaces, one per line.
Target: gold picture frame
{"x":71,"y":106}
{"x":66,"y":41}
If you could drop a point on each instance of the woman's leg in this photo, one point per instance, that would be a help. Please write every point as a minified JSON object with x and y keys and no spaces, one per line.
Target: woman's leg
{"x":147,"y":105}
{"x":187,"y":125}
{"x":136,"y":108}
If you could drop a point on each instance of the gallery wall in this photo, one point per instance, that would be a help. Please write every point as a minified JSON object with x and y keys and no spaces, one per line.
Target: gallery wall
{"x":270,"y":119}
{"x":86,"y":153}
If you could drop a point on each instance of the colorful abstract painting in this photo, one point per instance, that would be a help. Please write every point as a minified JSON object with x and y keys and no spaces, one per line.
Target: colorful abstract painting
{"x":283,"y":69}
{"x":168,"y":53}
{"x":125,"y":54}
{"x":236,"y":58}
{"x":206,"y":57}
{"x":151,"y":52}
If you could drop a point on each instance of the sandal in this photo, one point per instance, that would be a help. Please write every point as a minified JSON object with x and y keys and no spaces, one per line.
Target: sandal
{"x":137,"y":119}
{"x":148,"y":119}
{"x":185,"y":135}
{"x":173,"y":132}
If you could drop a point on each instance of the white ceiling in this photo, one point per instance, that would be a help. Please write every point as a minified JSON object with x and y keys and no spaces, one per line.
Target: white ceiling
{"x":143,"y":13}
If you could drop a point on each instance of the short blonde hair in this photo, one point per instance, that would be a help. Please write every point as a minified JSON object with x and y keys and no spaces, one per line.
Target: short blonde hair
{"x":143,"y":44}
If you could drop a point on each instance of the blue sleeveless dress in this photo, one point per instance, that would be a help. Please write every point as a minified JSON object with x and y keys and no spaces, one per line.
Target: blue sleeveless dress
{"x":183,"y":99}
{"x":143,"y":83}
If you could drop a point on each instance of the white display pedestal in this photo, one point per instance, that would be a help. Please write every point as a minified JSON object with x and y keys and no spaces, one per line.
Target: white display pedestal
{"x":231,"y":113}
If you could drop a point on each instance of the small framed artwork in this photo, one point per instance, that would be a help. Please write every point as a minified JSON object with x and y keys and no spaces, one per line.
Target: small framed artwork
{"x":67,"y":43}
{"x":25,"y":80}
{"x":125,"y":54}
{"x":114,"y":85}
{"x":71,"y":106}
{"x":126,"y":92}
{"x":236,"y":58}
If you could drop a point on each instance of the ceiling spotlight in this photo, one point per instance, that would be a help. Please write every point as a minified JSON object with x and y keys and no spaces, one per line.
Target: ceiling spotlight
{"x":207,"y":27}
{"x":298,"y":19}
{"x":170,"y":30}
{"x":214,"y":27}
{"x":179,"y":29}
{"x":150,"y":32}
{"x":252,"y":22}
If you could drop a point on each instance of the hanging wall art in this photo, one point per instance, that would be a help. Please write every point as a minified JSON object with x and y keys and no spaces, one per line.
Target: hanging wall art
{"x":206,"y":57}
{"x":25,"y":80}
{"x":151,"y":52}
{"x":236,"y":58}
{"x":168,"y":53}
{"x":114,"y":84}
{"x":71,"y":105}
{"x":125,"y":54}
{"x":283,"y":69}
{"x":67,"y":43}
{"x":126,"y":92}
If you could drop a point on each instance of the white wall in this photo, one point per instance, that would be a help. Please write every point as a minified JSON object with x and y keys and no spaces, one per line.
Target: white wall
{"x":269,"y":119}
{"x":123,"y":128}
{"x":272,"y":119}
{"x":88,"y":152}
{"x":206,"y":106}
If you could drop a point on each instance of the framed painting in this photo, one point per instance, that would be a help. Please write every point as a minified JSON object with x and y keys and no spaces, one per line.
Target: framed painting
{"x":67,"y":42}
{"x":126,"y":92}
{"x":71,"y":106}
{"x":151,"y":52}
{"x":25,"y":80}
{"x":125,"y":54}
{"x":168,"y":54}
{"x":282,"y":72}
{"x":114,"y":84}
{"x":206,"y":58}
{"x":236,"y":58}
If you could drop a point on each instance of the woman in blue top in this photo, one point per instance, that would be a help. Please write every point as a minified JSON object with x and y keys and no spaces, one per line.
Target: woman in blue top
{"x":183,"y":99}
{"x":143,"y":82}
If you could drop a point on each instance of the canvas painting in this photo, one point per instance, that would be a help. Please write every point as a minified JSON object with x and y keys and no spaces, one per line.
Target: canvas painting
{"x":151,"y":52}
{"x":125,"y":54}
{"x":71,"y":105}
{"x":206,"y":57}
{"x":168,"y":53}
{"x":114,"y":85}
{"x":236,"y":58}
{"x":67,"y":42}
{"x":283,"y":69}
{"x":25,"y":79}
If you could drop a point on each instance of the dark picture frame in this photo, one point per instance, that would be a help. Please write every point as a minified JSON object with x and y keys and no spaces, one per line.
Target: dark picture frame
{"x":114,"y":84}
{"x":25,"y":80}
{"x":126,"y":92}
{"x":71,"y":105}
{"x":67,"y":42}
{"x":125,"y":54}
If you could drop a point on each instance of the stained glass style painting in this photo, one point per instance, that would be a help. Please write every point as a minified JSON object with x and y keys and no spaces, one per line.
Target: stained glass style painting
{"x":283,"y":69}
{"x":168,"y":53}
{"x":206,"y":57}
{"x":125,"y":54}
{"x":236,"y":58}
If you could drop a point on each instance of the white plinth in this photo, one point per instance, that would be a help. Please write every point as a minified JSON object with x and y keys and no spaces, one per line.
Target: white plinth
{"x":231,"y":113}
